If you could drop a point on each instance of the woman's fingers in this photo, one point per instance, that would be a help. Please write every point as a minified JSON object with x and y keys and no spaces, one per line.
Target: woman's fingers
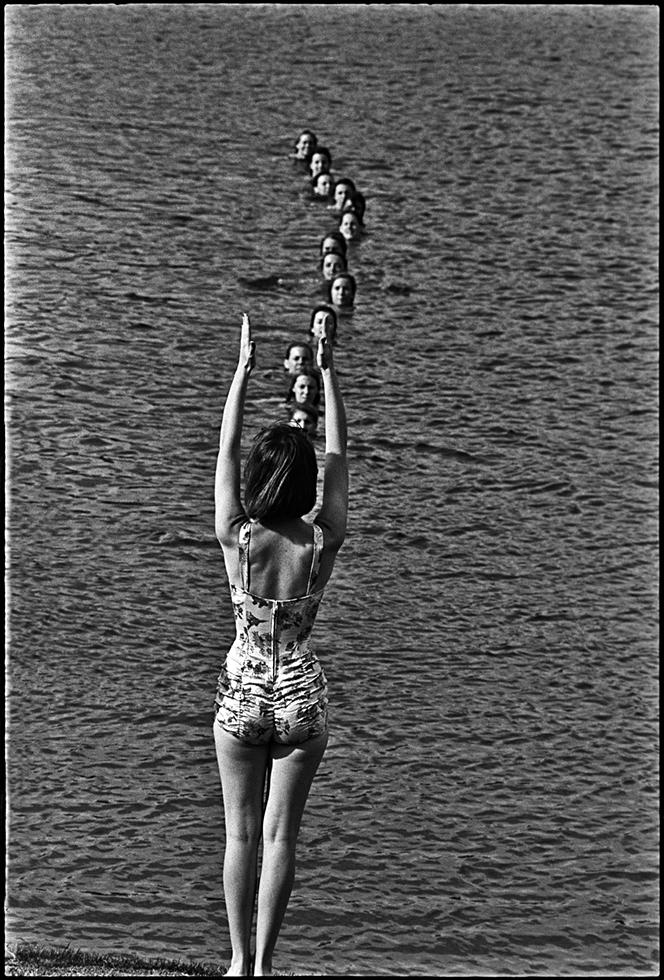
{"x":247,"y":345}
{"x":246,"y":329}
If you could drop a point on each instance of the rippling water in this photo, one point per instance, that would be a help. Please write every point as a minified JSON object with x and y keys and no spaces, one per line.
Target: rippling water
{"x":488,"y":802}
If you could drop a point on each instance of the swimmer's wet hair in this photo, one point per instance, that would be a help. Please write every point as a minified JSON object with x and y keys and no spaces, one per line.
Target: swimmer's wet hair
{"x":280,"y":474}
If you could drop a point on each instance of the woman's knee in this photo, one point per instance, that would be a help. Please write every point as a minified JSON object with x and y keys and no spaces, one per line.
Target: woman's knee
{"x":243,"y":833}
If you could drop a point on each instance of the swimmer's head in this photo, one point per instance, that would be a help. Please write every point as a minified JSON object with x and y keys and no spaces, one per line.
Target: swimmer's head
{"x":342,"y":290}
{"x":324,"y":324}
{"x":349,"y":226}
{"x":321,"y":161}
{"x":304,"y":388}
{"x":305,"y":144}
{"x":306,"y":417}
{"x":332,"y":264}
{"x":323,"y":185}
{"x":280,"y":474}
{"x":298,"y":357}
{"x":334,"y":241}
{"x":357,"y":204}
{"x":343,"y":191}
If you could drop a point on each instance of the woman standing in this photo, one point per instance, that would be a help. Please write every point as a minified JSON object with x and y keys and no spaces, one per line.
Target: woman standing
{"x":271,"y":706}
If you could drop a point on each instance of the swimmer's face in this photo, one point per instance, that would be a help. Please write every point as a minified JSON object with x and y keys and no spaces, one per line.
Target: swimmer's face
{"x":323,"y":326}
{"x":319,"y":164}
{"x":341,"y":291}
{"x":333,"y":264}
{"x":323,"y":185}
{"x":298,"y":358}
{"x":304,"y":146}
{"x":349,"y":226}
{"x":329,"y":245}
{"x":303,"y":420}
{"x":341,"y":192}
{"x":305,"y":388}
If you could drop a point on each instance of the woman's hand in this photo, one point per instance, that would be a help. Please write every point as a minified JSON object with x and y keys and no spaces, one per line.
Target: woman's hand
{"x":324,"y":353}
{"x":247,"y":358}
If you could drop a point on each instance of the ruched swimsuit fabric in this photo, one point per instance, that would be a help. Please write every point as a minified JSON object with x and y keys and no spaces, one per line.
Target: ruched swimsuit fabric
{"x":272,"y":686}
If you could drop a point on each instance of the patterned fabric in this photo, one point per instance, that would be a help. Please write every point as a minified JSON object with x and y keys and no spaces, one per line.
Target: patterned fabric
{"x":272,"y":686}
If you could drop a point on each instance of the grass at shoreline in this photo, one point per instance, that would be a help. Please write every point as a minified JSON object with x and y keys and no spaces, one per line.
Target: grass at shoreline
{"x":23,"y":959}
{"x":33,"y":960}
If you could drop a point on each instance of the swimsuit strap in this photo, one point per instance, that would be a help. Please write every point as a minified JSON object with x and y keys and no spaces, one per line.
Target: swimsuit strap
{"x":315,"y":558}
{"x":243,"y":547}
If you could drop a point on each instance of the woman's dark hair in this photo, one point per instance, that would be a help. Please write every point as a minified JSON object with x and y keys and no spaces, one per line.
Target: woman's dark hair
{"x":280,"y":474}
{"x":323,"y":309}
{"x":290,"y":394}
{"x":339,"y":239}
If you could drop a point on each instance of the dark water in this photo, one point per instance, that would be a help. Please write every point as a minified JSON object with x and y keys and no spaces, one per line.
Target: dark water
{"x":488,"y":802}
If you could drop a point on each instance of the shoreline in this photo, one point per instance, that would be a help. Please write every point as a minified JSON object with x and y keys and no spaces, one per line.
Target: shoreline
{"x":31,"y":959}
{"x":28,"y":959}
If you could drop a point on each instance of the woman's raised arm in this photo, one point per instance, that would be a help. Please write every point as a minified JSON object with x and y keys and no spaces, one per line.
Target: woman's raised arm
{"x":334,"y":509}
{"x":227,"y":501}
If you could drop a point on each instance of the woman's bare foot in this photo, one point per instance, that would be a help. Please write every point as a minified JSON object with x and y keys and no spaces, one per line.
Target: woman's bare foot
{"x":239,"y":969}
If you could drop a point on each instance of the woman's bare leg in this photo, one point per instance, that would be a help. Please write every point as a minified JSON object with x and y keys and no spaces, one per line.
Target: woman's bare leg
{"x":242,"y":769}
{"x":293,"y":770}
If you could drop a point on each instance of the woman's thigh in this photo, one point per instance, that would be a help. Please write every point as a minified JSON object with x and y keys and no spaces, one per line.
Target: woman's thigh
{"x":292,"y":772}
{"x":242,"y":768}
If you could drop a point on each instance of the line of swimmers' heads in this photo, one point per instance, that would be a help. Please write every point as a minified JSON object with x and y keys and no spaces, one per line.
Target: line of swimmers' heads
{"x":341,"y":194}
{"x":300,"y":354}
{"x":302,"y":399}
{"x":318,"y":157}
{"x":341,"y":285}
{"x":320,"y":166}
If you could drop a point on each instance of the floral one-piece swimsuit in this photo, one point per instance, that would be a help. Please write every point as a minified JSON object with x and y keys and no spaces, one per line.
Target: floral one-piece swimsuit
{"x":272,"y":686}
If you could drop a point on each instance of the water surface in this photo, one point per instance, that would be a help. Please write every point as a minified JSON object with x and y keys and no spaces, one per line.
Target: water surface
{"x":488,"y":801}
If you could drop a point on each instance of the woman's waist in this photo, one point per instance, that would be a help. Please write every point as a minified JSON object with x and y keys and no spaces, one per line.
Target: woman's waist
{"x":248,"y":650}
